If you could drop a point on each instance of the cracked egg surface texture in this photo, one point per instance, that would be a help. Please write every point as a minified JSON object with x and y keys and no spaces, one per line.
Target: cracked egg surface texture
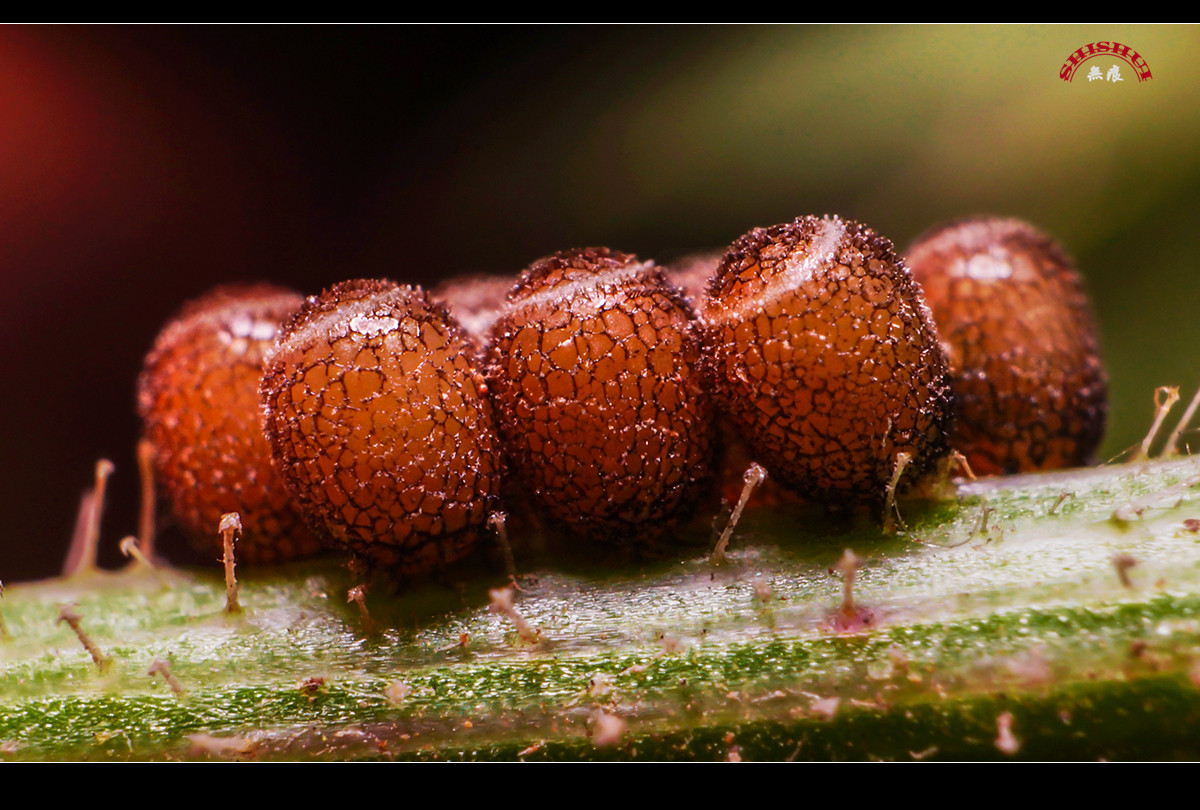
{"x":198,"y":397}
{"x":1030,"y":388}
{"x":595,"y":369}
{"x":825,"y":358}
{"x":378,"y":422}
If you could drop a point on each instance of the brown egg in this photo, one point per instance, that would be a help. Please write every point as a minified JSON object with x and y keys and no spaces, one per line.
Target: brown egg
{"x":378,"y":423}
{"x":825,"y":357}
{"x":198,"y":396}
{"x":595,"y":374}
{"x":1030,"y":387}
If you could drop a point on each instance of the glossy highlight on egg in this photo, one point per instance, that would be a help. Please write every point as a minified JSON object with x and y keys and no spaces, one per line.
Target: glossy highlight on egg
{"x":823,"y":355}
{"x":198,"y":398}
{"x":1029,"y":384}
{"x":594,"y":367}
{"x":378,"y":422}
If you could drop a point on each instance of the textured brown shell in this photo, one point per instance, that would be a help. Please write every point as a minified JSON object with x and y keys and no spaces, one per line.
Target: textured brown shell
{"x":825,"y":357}
{"x":595,"y":374}
{"x":198,"y":397}
{"x":1029,"y":383}
{"x":378,"y":423}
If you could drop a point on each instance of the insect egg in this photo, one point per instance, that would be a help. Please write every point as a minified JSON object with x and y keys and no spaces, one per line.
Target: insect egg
{"x":198,"y":397}
{"x":825,"y":358}
{"x":1028,"y":381}
{"x":595,"y":371}
{"x":378,"y":423}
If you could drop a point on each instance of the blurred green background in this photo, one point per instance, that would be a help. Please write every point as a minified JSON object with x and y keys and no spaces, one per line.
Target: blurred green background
{"x":140,"y":166}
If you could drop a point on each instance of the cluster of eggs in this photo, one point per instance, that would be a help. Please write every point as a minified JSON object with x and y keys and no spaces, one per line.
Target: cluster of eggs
{"x":370,"y":418}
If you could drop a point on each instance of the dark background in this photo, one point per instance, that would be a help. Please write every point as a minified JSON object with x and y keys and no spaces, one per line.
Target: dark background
{"x":140,"y":166}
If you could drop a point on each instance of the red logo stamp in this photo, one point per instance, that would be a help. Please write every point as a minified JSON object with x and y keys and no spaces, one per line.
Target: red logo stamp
{"x":1113,"y":50}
